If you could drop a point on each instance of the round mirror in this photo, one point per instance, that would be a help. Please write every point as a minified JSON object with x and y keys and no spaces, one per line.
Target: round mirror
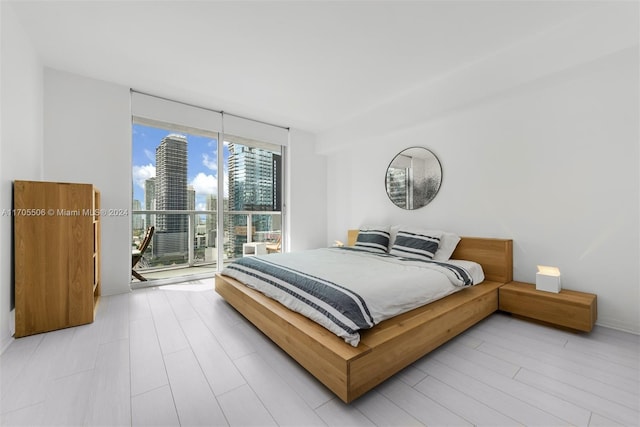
{"x":413,"y":178}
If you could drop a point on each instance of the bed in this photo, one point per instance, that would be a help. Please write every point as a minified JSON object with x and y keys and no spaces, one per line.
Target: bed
{"x":391,"y":345}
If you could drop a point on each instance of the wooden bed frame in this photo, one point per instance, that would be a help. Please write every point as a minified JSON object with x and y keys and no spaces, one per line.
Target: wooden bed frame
{"x":391,"y":345}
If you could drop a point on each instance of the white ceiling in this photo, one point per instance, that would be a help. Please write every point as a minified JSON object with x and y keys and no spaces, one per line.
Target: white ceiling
{"x":311,"y":65}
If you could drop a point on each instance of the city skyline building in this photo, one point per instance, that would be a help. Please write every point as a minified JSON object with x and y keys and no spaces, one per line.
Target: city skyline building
{"x":171,"y":194}
{"x":150,"y":200}
{"x":254,"y":185}
{"x":211,"y":220}
{"x":171,"y":181}
{"x":191,"y":198}
{"x":138,"y":221}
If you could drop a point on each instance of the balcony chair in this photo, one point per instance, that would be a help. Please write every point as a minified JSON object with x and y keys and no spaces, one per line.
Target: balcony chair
{"x":275,"y":246}
{"x":136,"y":255}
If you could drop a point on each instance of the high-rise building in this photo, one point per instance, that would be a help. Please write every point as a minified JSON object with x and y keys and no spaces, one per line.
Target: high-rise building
{"x":150,"y":199}
{"x":254,"y":185}
{"x":254,"y":176}
{"x":211,"y":220}
{"x":191,"y":198}
{"x":171,"y":194}
{"x":138,"y":220}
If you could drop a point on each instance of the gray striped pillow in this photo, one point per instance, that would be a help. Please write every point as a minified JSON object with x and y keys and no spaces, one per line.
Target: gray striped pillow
{"x":415,"y":245}
{"x":373,"y":240}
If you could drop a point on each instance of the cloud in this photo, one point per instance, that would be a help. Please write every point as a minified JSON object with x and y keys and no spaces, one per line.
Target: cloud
{"x":204,"y":184}
{"x":210,"y":163}
{"x":151,"y":155}
{"x":226,"y":184}
{"x":208,"y":184}
{"x":142,"y":173}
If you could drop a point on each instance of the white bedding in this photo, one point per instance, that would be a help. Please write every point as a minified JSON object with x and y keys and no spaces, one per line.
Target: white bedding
{"x":387,"y":285}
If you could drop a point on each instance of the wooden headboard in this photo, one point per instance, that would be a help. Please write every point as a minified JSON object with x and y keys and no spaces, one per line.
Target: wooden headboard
{"x":494,"y":255}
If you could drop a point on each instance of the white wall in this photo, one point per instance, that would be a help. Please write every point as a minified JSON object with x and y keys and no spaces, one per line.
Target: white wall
{"x":20,"y":140}
{"x":552,"y":164}
{"x":307,"y":193}
{"x":87,"y":139}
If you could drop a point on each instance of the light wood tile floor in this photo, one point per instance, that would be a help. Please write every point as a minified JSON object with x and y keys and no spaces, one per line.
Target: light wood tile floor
{"x":179,"y":355}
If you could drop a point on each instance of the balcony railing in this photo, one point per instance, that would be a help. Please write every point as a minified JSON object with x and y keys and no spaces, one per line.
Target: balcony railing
{"x":174,"y":229}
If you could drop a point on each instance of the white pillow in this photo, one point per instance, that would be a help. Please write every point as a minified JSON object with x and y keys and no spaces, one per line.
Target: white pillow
{"x":416,"y":244}
{"x":373,"y":239}
{"x":393,"y":232}
{"x":448,"y":243}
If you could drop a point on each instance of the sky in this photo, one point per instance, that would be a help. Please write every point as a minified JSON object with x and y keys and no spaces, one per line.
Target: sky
{"x":202,"y":168}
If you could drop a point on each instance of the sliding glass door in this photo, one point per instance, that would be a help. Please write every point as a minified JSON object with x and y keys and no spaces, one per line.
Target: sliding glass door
{"x":175,"y":188}
{"x":210,"y":197}
{"x":255,"y":187}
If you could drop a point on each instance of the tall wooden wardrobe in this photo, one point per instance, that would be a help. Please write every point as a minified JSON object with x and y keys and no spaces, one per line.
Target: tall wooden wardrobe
{"x":56,"y":255}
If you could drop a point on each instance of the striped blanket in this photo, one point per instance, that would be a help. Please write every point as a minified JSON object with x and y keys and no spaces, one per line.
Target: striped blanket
{"x":348,"y":290}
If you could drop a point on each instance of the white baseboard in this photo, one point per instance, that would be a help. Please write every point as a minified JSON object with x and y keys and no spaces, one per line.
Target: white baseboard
{"x":6,"y":340}
{"x":618,"y":326}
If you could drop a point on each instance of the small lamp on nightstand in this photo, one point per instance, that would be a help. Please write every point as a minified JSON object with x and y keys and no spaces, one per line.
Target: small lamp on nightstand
{"x":548,"y":279}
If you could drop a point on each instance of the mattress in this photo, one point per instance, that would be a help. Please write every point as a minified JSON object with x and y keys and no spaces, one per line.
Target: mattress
{"x":346,"y":290}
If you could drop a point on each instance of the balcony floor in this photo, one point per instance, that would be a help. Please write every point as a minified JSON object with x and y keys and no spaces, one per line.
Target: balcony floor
{"x":157,"y":277}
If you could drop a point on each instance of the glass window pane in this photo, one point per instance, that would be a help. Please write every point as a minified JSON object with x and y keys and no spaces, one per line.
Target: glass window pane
{"x":254,"y":179}
{"x":174,"y":171}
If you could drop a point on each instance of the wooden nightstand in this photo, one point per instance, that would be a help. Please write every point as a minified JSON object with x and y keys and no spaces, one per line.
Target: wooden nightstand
{"x":568,"y":309}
